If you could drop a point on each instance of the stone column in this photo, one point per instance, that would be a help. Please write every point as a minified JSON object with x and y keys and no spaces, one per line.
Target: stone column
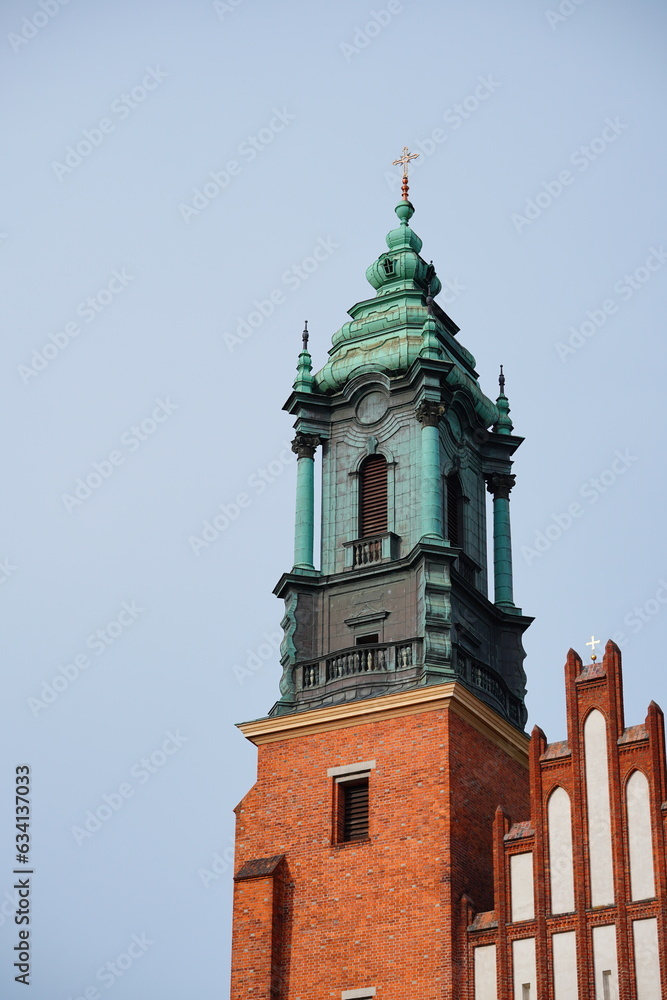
{"x":304,"y":446}
{"x":428,"y":414}
{"x":499,"y":485}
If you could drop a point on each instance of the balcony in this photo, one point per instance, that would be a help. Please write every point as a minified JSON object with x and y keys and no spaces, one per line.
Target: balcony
{"x":371,"y":550}
{"x":358,"y":661}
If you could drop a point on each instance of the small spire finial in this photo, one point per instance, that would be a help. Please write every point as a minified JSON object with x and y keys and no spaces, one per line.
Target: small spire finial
{"x":593,"y":642}
{"x":305,"y":335}
{"x":405,"y":159}
{"x":501,"y":381}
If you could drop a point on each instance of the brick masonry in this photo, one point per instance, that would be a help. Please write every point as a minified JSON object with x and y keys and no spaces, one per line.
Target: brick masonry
{"x":596,"y":686}
{"x":386,"y":912}
{"x":453,"y":796}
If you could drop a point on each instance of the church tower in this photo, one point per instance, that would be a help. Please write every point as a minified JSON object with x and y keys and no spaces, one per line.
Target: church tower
{"x":400,"y":724}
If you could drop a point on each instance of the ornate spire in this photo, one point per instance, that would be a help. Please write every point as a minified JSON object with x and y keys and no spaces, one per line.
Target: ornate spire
{"x":304,"y":380}
{"x":504,"y":424}
{"x":405,"y":159}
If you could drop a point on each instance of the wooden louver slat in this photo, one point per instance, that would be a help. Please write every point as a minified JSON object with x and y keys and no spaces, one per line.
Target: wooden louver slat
{"x":355,"y":810}
{"x":373,"y":512}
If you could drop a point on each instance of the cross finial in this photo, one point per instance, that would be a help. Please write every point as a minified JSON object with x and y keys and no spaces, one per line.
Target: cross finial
{"x":405,"y":159}
{"x":501,"y":381}
{"x":593,"y":642}
{"x":305,"y":335}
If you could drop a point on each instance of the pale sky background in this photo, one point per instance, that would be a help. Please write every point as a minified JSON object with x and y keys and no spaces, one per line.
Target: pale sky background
{"x":220,"y":74}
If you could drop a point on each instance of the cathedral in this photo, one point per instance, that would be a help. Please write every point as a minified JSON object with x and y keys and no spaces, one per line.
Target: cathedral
{"x":406,"y":838}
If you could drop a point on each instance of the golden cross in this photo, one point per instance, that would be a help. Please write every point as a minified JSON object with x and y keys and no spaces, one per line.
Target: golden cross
{"x":405,"y":159}
{"x":593,"y":642}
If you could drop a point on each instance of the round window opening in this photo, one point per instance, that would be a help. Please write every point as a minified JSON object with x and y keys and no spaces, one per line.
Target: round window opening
{"x":372,"y":407}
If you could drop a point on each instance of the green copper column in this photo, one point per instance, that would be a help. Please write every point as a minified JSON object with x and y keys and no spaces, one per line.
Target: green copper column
{"x":499,"y":486}
{"x":428,"y":414}
{"x":304,"y":446}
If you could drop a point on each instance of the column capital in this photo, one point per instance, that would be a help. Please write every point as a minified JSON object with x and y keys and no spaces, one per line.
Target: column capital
{"x":304,"y":445}
{"x":500,"y":484}
{"x":429,"y":412}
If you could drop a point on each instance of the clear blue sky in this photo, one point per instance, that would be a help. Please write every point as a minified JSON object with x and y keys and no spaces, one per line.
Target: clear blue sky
{"x":540,"y":197}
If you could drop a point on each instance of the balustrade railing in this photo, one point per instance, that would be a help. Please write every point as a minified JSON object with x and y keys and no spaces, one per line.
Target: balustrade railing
{"x":368,"y":550}
{"x":371,"y":550}
{"x":371,"y":658}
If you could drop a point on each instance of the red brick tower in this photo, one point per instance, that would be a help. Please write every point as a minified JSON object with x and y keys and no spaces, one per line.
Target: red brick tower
{"x":375,"y":855}
{"x":399,"y":730}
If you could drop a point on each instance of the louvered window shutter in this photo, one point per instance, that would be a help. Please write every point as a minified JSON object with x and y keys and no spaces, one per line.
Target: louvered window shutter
{"x":354,"y":810}
{"x":373,"y":496}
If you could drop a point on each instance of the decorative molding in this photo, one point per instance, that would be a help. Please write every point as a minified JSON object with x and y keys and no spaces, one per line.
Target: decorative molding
{"x":452,"y":696}
{"x":362,"y":767}
{"x":429,"y":412}
{"x":304,"y":445}
{"x":367,"y":618}
{"x":500,"y":484}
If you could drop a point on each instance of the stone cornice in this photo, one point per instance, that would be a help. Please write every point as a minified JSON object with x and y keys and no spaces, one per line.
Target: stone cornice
{"x":452,"y":696}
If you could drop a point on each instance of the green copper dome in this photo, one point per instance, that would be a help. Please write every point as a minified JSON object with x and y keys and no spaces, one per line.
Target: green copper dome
{"x":400,"y":324}
{"x":402,"y":267}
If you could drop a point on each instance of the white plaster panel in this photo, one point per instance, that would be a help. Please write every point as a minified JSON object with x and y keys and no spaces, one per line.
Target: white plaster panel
{"x":561,"y":872}
{"x":525,"y":971}
{"x":642,"y":882}
{"x":647,"y":960}
{"x":604,"y":962}
{"x":564,"y":950}
{"x":521,"y":881}
{"x":486,"y":984}
{"x":599,"y":815}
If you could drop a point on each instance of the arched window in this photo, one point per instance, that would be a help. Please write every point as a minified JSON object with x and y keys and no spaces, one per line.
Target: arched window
{"x":454,"y":510}
{"x":373,"y":496}
{"x":561,"y":861}
{"x":640,"y":837}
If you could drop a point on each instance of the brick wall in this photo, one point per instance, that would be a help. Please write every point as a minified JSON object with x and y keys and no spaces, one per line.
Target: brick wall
{"x":384,"y":913}
{"x":598,"y":687}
